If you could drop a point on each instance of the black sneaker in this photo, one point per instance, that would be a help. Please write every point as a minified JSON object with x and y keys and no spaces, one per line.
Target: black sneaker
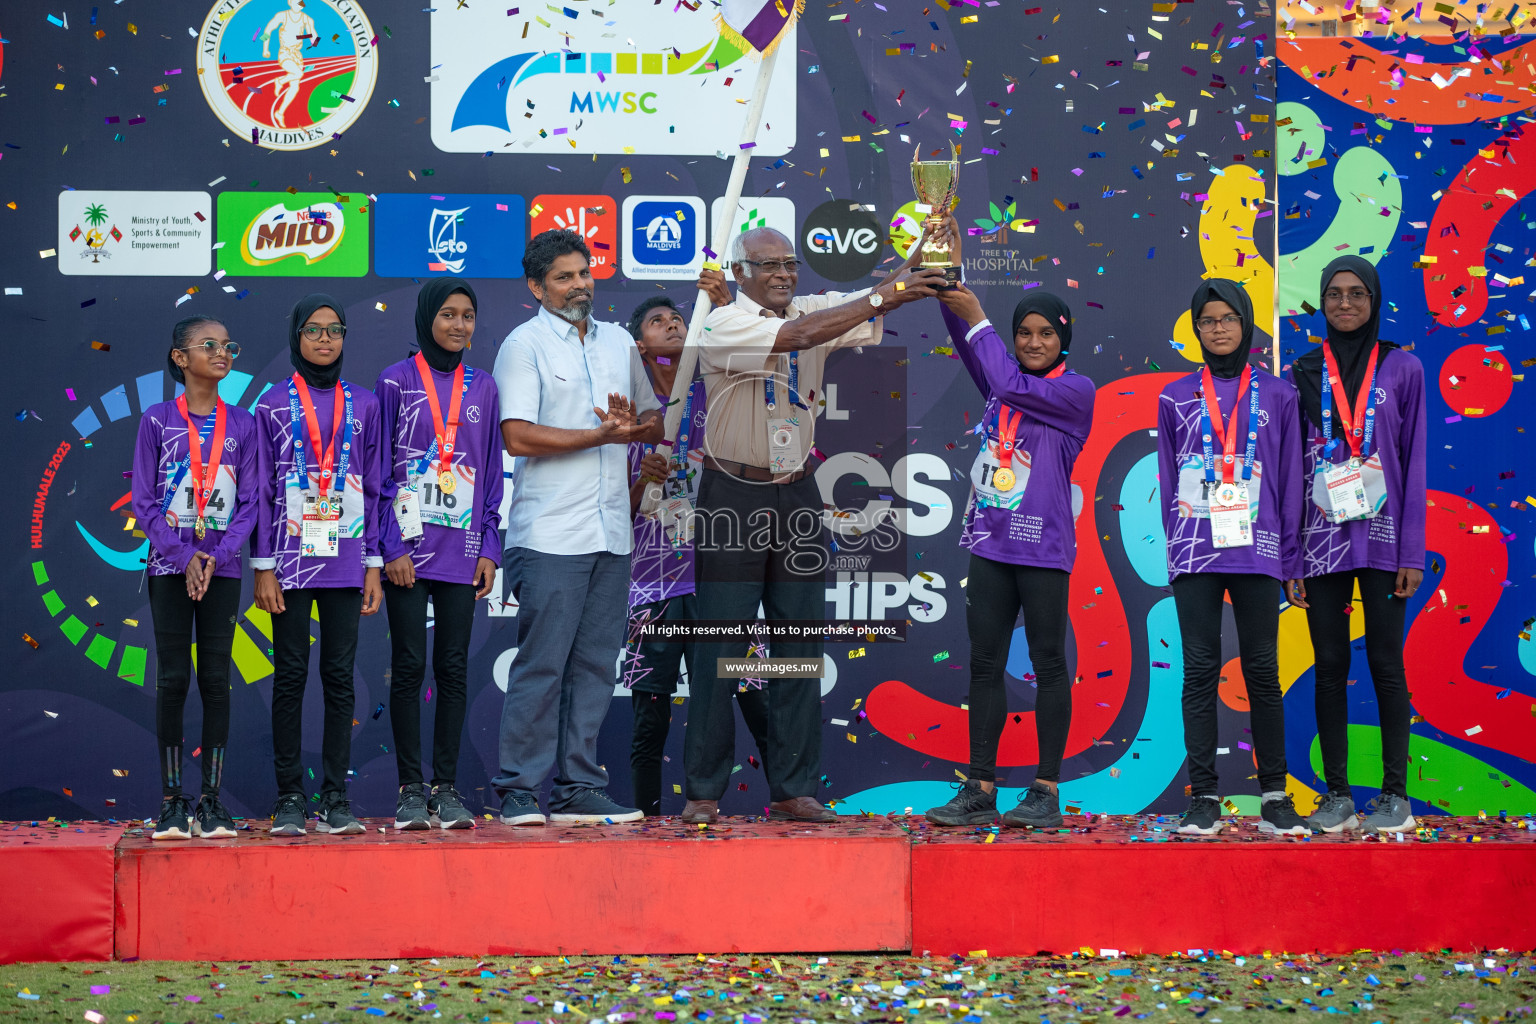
{"x":289,"y":816}
{"x":1203,"y":817}
{"x":335,"y":816}
{"x":521,"y":809}
{"x":593,"y":807}
{"x":448,"y":810}
{"x":212,"y":821}
{"x":1279,"y":817}
{"x":175,"y":819}
{"x":1039,"y":807}
{"x":411,"y":809}
{"x":971,"y":805}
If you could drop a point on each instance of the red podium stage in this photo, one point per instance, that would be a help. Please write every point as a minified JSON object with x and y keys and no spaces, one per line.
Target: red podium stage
{"x":870,"y":884}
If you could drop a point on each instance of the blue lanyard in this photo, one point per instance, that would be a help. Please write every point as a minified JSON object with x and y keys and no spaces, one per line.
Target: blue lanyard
{"x":469,"y":375}
{"x":174,"y":484}
{"x":1369,"y":429}
{"x":296,"y":417}
{"x":794,"y":383}
{"x":683,"y":432}
{"x":1253,"y":431}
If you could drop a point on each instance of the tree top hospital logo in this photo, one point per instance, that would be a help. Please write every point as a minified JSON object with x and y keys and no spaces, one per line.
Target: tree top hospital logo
{"x":287,"y":74}
{"x":649,"y":84}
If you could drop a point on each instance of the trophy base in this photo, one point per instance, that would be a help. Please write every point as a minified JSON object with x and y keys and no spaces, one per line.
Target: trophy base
{"x":951,"y":275}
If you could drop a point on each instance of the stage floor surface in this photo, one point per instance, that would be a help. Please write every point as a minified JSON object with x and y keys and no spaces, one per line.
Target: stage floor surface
{"x":1122,"y":883}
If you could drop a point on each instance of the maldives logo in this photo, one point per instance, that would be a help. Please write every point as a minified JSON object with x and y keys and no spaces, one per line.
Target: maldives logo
{"x":287,"y":74}
{"x":96,"y":218}
{"x":274,"y":234}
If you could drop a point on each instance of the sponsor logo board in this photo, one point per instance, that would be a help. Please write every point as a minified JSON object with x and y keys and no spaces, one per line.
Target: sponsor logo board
{"x":439,"y":235}
{"x":774,"y":212}
{"x":275,"y":234}
{"x":630,"y":82}
{"x":594,"y":218}
{"x":663,"y":238}
{"x":135,"y":234}
{"x":287,"y":74}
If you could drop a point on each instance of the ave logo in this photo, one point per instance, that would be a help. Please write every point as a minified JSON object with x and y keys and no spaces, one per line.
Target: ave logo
{"x":841,"y":240}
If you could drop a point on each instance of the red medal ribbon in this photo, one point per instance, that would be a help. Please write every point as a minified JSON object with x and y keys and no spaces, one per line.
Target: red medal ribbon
{"x":1227,"y":437}
{"x":1007,"y":427}
{"x":203,"y":481}
{"x":1061,"y":368}
{"x":327,"y":458}
{"x":1354,"y":426}
{"x":445,"y":432}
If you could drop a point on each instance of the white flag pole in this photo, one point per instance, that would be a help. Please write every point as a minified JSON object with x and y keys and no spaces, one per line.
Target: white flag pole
{"x":690,"y":357}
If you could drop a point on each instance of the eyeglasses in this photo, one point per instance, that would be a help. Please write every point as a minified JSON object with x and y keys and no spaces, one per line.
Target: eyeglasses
{"x":313,"y":331}
{"x":213,"y":348}
{"x":1356,"y":296}
{"x":790,"y":265}
{"x":1208,"y":323}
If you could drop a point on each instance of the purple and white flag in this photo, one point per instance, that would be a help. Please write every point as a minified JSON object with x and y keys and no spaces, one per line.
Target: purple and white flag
{"x":759,"y":24}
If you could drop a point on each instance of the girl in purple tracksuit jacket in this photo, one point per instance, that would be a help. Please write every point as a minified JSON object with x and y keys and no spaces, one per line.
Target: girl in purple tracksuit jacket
{"x":440,"y":531}
{"x":1020,"y":530}
{"x":1229,"y":472}
{"x":1363,"y":427}
{"x":316,"y":545}
{"x":194,"y":496}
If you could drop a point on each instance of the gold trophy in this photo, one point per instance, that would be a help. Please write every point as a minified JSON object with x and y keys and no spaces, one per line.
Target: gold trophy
{"x":935,"y":182}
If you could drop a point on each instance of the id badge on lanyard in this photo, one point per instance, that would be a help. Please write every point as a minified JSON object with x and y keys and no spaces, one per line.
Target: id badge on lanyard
{"x":320,"y":527}
{"x":1231,"y":511}
{"x":1345,"y":482}
{"x":784,"y":450}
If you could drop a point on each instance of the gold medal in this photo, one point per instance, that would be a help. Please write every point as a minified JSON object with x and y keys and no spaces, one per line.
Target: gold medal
{"x":200,"y":528}
{"x":445,"y":481}
{"x":1003,"y":479}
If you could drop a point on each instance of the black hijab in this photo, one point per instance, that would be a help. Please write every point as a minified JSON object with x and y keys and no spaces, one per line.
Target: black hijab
{"x":1352,"y":349}
{"x":315,"y":376}
{"x":1055,"y":311}
{"x":1219,"y":289}
{"x":429,"y":301}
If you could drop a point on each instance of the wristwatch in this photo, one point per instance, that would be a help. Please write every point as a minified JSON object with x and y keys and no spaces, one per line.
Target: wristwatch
{"x":876,"y":299}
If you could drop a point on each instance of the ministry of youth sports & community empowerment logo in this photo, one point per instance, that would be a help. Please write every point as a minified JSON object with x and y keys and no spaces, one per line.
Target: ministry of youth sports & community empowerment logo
{"x":287,"y":74}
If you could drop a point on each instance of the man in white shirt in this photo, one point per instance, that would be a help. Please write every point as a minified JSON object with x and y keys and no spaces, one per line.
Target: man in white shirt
{"x":574,"y":394}
{"x":763,"y":358}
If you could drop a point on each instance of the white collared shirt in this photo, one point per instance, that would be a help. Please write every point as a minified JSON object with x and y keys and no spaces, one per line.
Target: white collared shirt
{"x":577,"y":503}
{"x":736,"y":356}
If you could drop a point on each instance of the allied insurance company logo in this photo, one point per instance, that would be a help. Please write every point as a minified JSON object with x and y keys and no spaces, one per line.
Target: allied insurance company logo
{"x":287,"y":74}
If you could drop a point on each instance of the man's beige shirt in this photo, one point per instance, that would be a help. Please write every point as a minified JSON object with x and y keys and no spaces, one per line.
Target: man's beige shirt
{"x":736,"y":356}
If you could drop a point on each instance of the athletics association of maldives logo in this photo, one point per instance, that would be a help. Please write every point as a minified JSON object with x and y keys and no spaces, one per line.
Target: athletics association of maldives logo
{"x":287,"y":74}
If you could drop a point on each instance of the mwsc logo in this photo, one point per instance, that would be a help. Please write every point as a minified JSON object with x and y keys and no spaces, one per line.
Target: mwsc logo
{"x":546,"y":91}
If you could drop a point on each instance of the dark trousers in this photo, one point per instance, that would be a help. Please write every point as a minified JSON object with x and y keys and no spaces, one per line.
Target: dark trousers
{"x":453,"y":606}
{"x":174,"y":614}
{"x":995,"y":595}
{"x":338,"y":608}
{"x":1256,"y":612}
{"x":1328,"y":621}
{"x":757,"y":543}
{"x":651,"y":673}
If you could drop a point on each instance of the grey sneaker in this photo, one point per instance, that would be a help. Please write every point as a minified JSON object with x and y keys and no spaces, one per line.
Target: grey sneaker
{"x":1279,"y":817}
{"x":593,"y":806}
{"x":971,"y":805}
{"x":1037,"y":808}
{"x":175,"y":820}
{"x":411,"y":809}
{"x":289,"y":816}
{"x":1335,"y":812}
{"x":212,"y":821}
{"x":335,"y":816}
{"x":1390,"y":813}
{"x":448,"y":810}
{"x":521,"y":809}
{"x":1203,"y":817}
